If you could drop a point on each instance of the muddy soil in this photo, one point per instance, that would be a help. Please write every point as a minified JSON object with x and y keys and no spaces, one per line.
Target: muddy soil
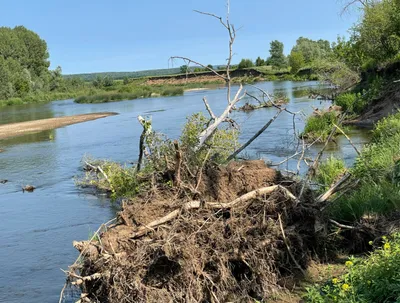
{"x":23,"y":128}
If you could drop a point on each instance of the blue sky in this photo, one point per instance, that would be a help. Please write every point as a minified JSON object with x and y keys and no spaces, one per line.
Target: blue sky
{"x":128,"y":35}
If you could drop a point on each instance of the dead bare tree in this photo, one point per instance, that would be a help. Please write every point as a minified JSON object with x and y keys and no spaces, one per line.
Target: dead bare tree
{"x":224,"y":117}
{"x":348,"y":4}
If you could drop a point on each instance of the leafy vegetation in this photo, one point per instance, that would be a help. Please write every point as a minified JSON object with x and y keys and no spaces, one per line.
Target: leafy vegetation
{"x":277,"y":59}
{"x":23,"y":63}
{"x":296,"y":61}
{"x":318,"y":127}
{"x":246,"y":63}
{"x":329,"y":171}
{"x":130,"y":93}
{"x":374,"y":279}
{"x":378,"y":169}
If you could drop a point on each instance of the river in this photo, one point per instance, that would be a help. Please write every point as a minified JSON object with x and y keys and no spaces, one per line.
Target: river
{"x":37,"y":229}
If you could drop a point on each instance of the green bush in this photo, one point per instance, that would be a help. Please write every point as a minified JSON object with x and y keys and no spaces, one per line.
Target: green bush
{"x":346,"y":101}
{"x":222,"y":144}
{"x":371,"y":280}
{"x":121,"y":181}
{"x":329,"y":171}
{"x":378,"y":169}
{"x":386,"y":128}
{"x":319,"y":126}
{"x":246,"y":63}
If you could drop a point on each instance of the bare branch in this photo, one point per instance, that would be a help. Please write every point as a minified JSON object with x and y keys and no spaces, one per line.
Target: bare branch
{"x":348,"y":139}
{"x":212,"y":15}
{"x":341,"y":225}
{"x":211,"y":129}
{"x":202,"y":65}
{"x":209,"y":109}
{"x":295,"y":154}
{"x":256,"y":135}
{"x":335,"y":188}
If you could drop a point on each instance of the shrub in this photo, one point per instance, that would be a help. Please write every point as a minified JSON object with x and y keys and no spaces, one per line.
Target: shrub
{"x":121,"y":181}
{"x":319,"y":126}
{"x":378,"y":169}
{"x":346,"y":101}
{"x":329,"y":171}
{"x":246,"y":63}
{"x":374,"y":279}
{"x":223,"y":143}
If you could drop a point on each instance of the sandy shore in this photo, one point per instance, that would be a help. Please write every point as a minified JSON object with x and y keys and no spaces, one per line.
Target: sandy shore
{"x":23,"y":128}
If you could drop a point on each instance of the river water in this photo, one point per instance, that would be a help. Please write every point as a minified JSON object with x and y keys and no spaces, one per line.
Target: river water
{"x":37,"y":229}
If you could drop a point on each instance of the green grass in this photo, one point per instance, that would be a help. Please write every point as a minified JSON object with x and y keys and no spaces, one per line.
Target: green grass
{"x":39,"y":98}
{"x":319,"y":126}
{"x":374,"y":279}
{"x":130,"y":93}
{"x":329,"y":171}
{"x":378,"y":169}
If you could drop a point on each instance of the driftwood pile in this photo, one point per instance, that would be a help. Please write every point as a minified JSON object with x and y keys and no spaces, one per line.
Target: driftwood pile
{"x":245,"y":238}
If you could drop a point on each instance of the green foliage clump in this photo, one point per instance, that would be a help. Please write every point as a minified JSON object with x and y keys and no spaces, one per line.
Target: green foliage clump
{"x":329,"y":171}
{"x":386,"y":128}
{"x":346,"y":101}
{"x":379,"y":30}
{"x":373,"y":279}
{"x":130,"y":93}
{"x":378,"y":169}
{"x":120,"y":181}
{"x":277,"y":58}
{"x":312,"y":50}
{"x":319,"y":126}
{"x":260,"y":62}
{"x":296,"y":61}
{"x":219,"y":147}
{"x":246,"y":63}
{"x":23,"y":63}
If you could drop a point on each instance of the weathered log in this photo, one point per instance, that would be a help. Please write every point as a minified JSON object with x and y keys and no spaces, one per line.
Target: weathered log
{"x":324,"y":197}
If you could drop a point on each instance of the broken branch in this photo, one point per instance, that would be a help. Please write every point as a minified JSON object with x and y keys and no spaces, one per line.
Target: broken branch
{"x":143,"y":230}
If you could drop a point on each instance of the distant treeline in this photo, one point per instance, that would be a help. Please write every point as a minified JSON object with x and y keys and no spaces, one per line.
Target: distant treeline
{"x":123,"y":75}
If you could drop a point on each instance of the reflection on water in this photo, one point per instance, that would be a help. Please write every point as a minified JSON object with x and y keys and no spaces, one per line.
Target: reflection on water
{"x":46,"y":135}
{"x":20,"y":113}
{"x":38,"y":228}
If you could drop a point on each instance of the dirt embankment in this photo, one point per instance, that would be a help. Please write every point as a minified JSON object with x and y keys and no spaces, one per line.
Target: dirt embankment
{"x":202,"y":77}
{"x":181,"y":81}
{"x":388,"y":100}
{"x":23,"y":128}
{"x":388,"y":103}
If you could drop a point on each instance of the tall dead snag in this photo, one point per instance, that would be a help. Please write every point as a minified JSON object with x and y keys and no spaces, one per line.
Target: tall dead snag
{"x":146,"y":130}
{"x":178,"y":164}
{"x":224,"y":117}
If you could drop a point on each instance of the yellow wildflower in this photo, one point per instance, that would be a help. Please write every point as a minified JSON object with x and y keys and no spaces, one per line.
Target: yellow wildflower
{"x":335,"y":280}
{"x":345,"y":287}
{"x":370,"y":243}
{"x":349,"y":264}
{"x":386,"y":246}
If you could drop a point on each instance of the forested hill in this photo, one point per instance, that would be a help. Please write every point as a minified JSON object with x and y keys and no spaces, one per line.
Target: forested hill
{"x":24,"y":63}
{"x":122,"y":75}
